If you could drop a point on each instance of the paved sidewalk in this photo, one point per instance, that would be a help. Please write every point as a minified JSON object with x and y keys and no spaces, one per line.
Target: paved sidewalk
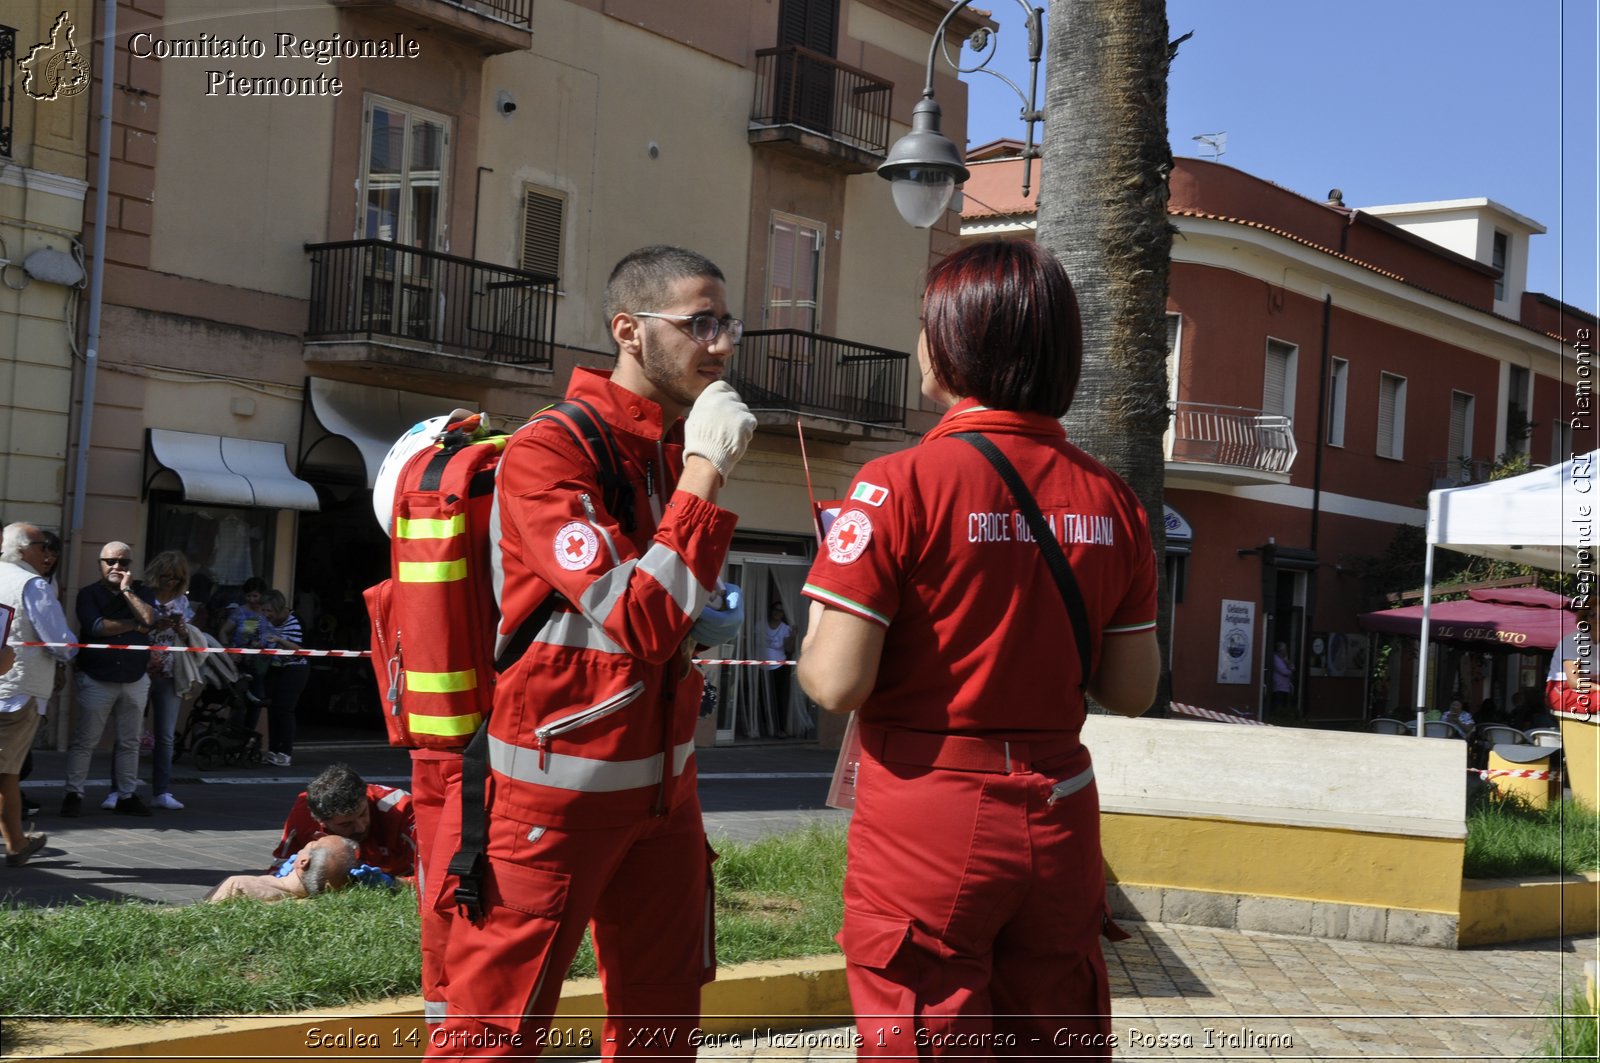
{"x":1260,"y":996}
{"x":1195,"y":993}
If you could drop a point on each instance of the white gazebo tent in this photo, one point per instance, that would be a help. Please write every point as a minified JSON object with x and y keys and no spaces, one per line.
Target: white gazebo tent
{"x":1542,"y":518}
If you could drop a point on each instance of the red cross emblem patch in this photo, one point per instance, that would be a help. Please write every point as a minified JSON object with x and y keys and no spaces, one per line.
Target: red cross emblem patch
{"x":849,"y":536}
{"x":576,"y":545}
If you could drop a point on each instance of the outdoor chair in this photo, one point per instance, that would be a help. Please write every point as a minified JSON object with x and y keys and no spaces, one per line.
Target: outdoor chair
{"x":1545,"y":736}
{"x":1442,"y":729}
{"x":1496,"y":734}
{"x":1385,"y":725}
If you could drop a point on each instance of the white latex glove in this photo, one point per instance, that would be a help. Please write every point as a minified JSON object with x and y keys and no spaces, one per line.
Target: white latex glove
{"x":719,"y":427}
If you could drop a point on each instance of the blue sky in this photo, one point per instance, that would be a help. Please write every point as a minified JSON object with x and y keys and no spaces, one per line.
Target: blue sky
{"x":1398,"y":101}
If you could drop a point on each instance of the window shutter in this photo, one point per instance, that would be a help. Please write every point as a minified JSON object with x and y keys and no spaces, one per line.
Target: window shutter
{"x":1389,"y":414}
{"x":1275,"y":396}
{"x":541,"y":231}
{"x":1460,"y":411}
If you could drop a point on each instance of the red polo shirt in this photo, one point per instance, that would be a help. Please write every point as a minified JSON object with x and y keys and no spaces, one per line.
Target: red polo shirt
{"x":931,"y":545}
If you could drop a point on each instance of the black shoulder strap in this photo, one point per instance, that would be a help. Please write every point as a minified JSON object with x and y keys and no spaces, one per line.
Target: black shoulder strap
{"x":596,"y":438}
{"x":1060,"y":568}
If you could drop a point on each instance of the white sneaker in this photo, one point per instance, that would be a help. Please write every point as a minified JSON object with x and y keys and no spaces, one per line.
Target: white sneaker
{"x":281,"y":760}
{"x":168,"y":802}
{"x":110,"y":803}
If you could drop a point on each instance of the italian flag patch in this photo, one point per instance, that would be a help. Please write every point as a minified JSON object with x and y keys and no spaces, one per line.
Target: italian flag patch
{"x":871,"y":494}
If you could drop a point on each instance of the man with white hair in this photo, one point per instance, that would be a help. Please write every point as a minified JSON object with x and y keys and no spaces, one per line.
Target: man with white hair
{"x":111,"y":683}
{"x":27,"y":685}
{"x":323,"y":865}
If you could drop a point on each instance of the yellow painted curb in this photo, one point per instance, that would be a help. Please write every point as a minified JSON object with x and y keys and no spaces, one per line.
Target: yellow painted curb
{"x":744,"y":1001}
{"x":1498,"y":911}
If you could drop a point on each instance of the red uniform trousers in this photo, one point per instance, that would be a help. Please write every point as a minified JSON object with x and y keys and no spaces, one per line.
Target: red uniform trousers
{"x":974,"y":903}
{"x":436,"y":807}
{"x":647,"y":888}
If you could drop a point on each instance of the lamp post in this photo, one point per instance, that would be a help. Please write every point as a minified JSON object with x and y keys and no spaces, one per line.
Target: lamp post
{"x":924,"y":166}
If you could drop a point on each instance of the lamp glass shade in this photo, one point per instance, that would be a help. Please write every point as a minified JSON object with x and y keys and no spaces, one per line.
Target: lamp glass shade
{"x":922,"y":193}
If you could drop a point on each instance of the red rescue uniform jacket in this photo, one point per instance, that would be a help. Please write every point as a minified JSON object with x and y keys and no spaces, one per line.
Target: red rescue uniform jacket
{"x":391,"y":841}
{"x":604,"y":697}
{"x":931,"y":545}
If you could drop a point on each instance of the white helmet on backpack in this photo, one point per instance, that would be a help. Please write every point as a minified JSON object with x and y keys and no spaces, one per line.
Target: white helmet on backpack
{"x":419,"y":436}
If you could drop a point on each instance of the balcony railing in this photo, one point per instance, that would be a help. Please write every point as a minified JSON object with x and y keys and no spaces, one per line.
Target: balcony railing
{"x":374,"y":289}
{"x":1233,"y":435}
{"x":786,"y":369}
{"x":1458,"y":472}
{"x":798,"y":87}
{"x":515,"y":12}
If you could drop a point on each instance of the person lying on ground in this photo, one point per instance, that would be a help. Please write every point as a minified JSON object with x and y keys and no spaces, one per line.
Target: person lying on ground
{"x":323,"y":865}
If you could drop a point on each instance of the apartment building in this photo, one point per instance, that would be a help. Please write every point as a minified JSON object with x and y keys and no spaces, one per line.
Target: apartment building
{"x":327,"y":220}
{"x":1328,"y":367}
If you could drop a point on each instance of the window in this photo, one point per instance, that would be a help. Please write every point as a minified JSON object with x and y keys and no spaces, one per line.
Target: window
{"x":1338,"y":388}
{"x":542,"y":213}
{"x":1500,"y":259}
{"x":1459,"y":448}
{"x":1561,"y":442}
{"x":1519,"y":399}
{"x":1278,"y":393}
{"x":1391,"y":416}
{"x":794,"y":273}
{"x":404,"y":161}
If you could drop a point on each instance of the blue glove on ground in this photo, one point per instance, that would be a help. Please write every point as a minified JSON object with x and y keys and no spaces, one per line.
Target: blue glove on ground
{"x":722,"y":617}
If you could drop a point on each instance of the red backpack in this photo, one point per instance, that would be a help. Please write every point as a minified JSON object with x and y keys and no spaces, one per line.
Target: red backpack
{"x":434,"y":618}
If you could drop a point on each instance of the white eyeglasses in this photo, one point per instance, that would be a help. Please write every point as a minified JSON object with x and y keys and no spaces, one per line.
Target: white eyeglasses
{"x":705,"y":328}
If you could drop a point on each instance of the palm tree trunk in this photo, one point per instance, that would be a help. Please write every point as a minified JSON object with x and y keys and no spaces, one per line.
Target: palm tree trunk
{"x":1103,"y":212}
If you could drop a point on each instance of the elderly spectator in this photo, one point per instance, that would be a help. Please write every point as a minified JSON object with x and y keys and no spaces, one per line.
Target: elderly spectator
{"x":27,"y":684}
{"x":111,"y":683}
{"x":322,"y":866}
{"x":378,"y":818}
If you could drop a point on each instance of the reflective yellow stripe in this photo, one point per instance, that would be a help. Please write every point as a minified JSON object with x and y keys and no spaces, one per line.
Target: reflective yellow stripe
{"x":443,"y":725}
{"x":433,"y":571}
{"x":430,"y":527}
{"x":442,"y":682}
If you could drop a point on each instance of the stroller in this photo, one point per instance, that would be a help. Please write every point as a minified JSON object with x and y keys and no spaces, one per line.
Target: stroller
{"x":215,"y":734}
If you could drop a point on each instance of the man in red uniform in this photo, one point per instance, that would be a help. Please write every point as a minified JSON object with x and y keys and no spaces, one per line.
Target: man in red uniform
{"x":340,"y":803}
{"x":593,"y":813}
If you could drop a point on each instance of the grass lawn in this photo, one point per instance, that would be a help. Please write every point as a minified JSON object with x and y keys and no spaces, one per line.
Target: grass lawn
{"x":124,"y":961}
{"x":1507,"y":839}
{"x":1571,"y":1035}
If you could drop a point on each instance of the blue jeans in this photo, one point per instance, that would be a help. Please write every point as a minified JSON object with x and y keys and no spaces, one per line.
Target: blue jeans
{"x":164,"y":706}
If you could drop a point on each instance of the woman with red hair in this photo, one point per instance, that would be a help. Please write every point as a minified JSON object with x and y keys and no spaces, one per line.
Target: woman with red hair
{"x":975,"y":892}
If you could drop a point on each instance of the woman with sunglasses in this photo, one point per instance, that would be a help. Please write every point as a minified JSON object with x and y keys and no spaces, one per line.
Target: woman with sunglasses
{"x":166,"y":580}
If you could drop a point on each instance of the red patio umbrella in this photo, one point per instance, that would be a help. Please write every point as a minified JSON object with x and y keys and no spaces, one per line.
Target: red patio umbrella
{"x":1484,"y":624}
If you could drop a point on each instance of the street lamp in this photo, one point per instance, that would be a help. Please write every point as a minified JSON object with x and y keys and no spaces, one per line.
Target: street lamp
{"x":923,"y":166}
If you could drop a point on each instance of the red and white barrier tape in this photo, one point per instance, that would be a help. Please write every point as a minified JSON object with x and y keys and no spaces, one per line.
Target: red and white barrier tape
{"x":1209,"y":714}
{"x":261,"y":652}
{"x":240,"y":650}
{"x":1507,"y":773}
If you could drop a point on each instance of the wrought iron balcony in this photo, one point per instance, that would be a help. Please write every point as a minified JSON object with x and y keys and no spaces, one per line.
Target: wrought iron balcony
{"x":1232,"y":437}
{"x":494,"y":26}
{"x":819,"y":104}
{"x":803,"y":372}
{"x":382,"y":292}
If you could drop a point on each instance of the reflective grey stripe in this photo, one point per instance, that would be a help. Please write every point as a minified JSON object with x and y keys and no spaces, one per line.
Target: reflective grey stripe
{"x":1068,"y":787}
{"x":566,"y":772}
{"x":575,"y":631}
{"x":603,"y":594}
{"x":435,"y":1011}
{"x":390,"y":799}
{"x":672,"y":573}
